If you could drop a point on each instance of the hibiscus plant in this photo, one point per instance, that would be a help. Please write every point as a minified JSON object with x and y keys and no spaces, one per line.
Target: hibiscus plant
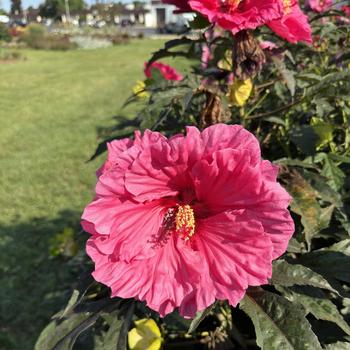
{"x":221,"y":215}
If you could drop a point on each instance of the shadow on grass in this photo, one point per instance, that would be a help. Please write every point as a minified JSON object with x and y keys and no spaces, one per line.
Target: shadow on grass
{"x":33,"y":284}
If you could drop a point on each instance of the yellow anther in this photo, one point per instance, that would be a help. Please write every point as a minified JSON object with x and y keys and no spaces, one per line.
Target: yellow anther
{"x":287,"y":6}
{"x":230,"y":5}
{"x":185,"y":222}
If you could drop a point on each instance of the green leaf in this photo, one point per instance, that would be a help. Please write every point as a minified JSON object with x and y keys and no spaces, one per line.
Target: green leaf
{"x":287,"y":75}
{"x":323,"y":130}
{"x":200,"y":316}
{"x":62,"y":335}
{"x":322,"y":309}
{"x":199,"y":22}
{"x":123,"y":335}
{"x":313,"y":217}
{"x":278,"y":323}
{"x":295,"y":163}
{"x":333,"y":261}
{"x":182,"y":43}
{"x":295,"y":246}
{"x":287,"y":275}
{"x":327,"y":81}
{"x":325,"y":192}
{"x":305,"y":138}
{"x":334,"y":174}
{"x":108,"y":340}
{"x":338,"y":346}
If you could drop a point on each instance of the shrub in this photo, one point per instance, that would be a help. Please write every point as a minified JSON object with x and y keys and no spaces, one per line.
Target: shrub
{"x":4,"y":33}
{"x":36,"y":37}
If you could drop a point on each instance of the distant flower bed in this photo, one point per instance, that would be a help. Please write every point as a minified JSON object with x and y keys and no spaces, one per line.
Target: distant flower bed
{"x":97,"y":41}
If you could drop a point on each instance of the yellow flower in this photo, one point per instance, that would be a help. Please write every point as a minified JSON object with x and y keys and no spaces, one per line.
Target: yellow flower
{"x":145,"y":336}
{"x":239,"y":92}
{"x":226,"y":62}
{"x":139,"y":89}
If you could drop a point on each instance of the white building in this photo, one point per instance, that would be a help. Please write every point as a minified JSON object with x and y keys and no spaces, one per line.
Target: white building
{"x":161,"y":14}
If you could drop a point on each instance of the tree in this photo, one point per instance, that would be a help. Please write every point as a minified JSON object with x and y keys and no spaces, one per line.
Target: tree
{"x":16,"y":7}
{"x":55,"y":8}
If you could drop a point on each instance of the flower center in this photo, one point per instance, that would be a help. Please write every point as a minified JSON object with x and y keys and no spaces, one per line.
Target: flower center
{"x":185,"y":222}
{"x":287,"y":7}
{"x":229,"y":5}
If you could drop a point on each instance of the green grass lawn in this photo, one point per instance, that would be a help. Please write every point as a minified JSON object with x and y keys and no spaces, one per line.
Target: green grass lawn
{"x":50,"y":107}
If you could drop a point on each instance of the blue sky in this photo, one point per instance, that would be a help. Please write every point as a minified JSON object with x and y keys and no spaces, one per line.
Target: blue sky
{"x":5,"y":4}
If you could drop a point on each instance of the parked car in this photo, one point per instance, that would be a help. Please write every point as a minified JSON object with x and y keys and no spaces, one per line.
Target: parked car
{"x":176,"y":28}
{"x":4,"y":19}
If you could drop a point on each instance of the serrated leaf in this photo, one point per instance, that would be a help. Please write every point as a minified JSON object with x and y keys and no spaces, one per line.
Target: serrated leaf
{"x":325,"y":192}
{"x":200,"y":316}
{"x":304,"y":203}
{"x":278,"y":323}
{"x":334,"y":174}
{"x":287,"y":75}
{"x":327,"y":81}
{"x":287,"y":275}
{"x":322,"y":309}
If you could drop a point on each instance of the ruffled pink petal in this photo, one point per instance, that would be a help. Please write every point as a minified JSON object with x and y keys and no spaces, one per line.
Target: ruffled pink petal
{"x":237,"y":253}
{"x":249,"y":14}
{"x":227,"y":182}
{"x":293,"y":27}
{"x":155,"y":174}
{"x":163,"y":281}
{"x":132,"y":229}
{"x":100,"y":215}
{"x":222,"y":136}
{"x":114,"y":148}
{"x":271,"y":210}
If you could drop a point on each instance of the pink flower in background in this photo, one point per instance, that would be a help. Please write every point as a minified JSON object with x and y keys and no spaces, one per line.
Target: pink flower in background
{"x":169,"y":73}
{"x":181,"y":222}
{"x":268,"y":45}
{"x":320,"y":5}
{"x":236,"y":15}
{"x":294,"y":25}
{"x":346,"y":10}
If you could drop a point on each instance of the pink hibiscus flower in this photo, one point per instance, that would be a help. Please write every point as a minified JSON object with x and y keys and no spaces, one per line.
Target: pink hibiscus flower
{"x":346,"y":10}
{"x":169,"y":73}
{"x":268,"y":45}
{"x":236,"y":15}
{"x":181,"y":222}
{"x":294,"y":25}
{"x":320,"y":5}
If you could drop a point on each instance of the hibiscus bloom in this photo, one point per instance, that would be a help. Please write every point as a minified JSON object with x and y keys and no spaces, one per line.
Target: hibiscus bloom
{"x":346,"y":10}
{"x":185,"y":221}
{"x":169,"y":73}
{"x":320,"y":5}
{"x":236,"y":15}
{"x":294,"y":25}
{"x":268,"y":45}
